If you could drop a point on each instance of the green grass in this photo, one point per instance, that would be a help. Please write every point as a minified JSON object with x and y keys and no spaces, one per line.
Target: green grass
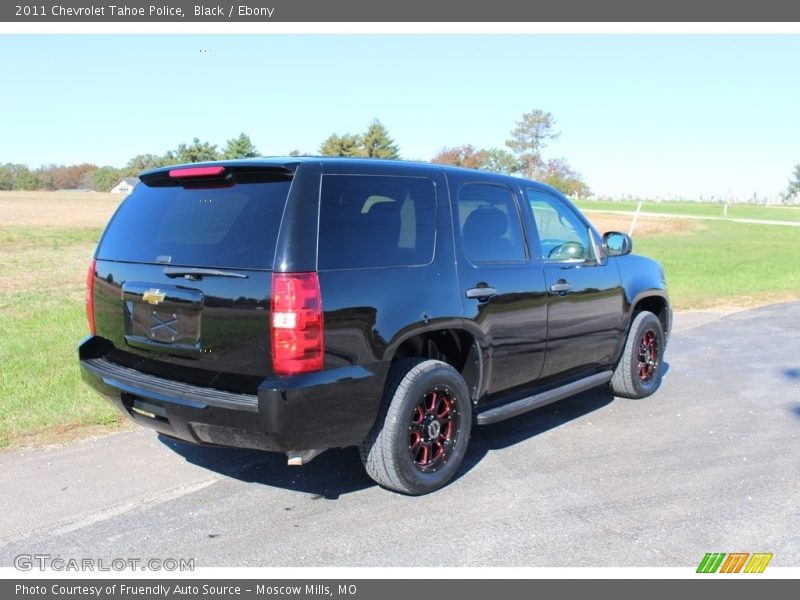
{"x":21,"y":237}
{"x":727,"y":263}
{"x":698,"y":209}
{"x":40,"y":386}
{"x":43,"y":317}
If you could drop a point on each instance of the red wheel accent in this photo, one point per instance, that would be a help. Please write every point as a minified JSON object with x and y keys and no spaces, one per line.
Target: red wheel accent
{"x":447,"y":431}
{"x":431,"y":403}
{"x":423,"y":454}
{"x":648,"y":356}
{"x":438,"y":450}
{"x":444,"y":410}
{"x":433,"y":429}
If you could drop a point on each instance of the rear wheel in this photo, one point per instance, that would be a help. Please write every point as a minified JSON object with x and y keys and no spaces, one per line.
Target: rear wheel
{"x":638,"y":373}
{"x":422,"y":431}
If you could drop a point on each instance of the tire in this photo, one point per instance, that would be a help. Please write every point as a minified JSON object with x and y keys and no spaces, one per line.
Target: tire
{"x":638,"y":373}
{"x":421,"y":434}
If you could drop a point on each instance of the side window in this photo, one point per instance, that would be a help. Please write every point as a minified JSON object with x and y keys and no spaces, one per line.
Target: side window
{"x":491,"y":230}
{"x":370,"y":221}
{"x":562,"y":235}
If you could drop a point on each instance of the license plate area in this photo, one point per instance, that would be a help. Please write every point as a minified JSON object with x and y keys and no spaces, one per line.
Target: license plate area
{"x":165,"y":324}
{"x":147,"y":412}
{"x":163,"y":318}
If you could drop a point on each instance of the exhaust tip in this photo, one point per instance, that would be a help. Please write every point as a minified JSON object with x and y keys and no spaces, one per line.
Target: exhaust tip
{"x":297,"y":458}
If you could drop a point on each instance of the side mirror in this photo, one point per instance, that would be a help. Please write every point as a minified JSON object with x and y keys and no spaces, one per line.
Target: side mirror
{"x":617,"y":244}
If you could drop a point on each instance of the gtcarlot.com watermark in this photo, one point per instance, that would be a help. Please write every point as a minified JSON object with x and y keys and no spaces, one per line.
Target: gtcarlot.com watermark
{"x":45,"y":562}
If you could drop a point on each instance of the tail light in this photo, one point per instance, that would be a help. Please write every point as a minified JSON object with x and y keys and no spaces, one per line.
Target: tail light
{"x":90,"y":297}
{"x":297,"y":328}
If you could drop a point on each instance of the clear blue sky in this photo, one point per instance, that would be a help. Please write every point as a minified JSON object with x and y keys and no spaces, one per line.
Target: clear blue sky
{"x":652,"y":114}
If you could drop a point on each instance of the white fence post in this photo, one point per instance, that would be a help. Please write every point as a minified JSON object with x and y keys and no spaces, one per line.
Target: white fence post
{"x":635,"y":216}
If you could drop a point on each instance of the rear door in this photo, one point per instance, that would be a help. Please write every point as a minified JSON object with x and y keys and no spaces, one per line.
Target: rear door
{"x":501,"y":285}
{"x":183,"y":275}
{"x":584,"y":294}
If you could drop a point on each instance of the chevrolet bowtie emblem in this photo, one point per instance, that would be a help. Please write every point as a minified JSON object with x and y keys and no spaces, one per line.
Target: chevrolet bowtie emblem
{"x":154,"y":296}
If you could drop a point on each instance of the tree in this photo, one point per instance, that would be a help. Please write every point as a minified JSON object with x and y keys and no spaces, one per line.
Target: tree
{"x":461,"y":156}
{"x":32,"y":180}
{"x":10,"y":175}
{"x":498,"y":160}
{"x":341,"y":145}
{"x":144,"y":162}
{"x":560,"y":175}
{"x":793,"y":191}
{"x":240,"y":147}
{"x":197,"y":151}
{"x":376,"y":142}
{"x":530,"y":135}
{"x":104,"y":178}
{"x":66,"y":177}
{"x":6,"y":177}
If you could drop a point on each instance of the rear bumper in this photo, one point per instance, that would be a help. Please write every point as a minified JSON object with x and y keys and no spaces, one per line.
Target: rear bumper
{"x":327,"y":409}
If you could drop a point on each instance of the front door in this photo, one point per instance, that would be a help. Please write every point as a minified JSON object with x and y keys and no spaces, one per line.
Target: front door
{"x":585,"y":298}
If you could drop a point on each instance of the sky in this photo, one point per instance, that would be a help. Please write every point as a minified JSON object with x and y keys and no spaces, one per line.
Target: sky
{"x":656,"y":115}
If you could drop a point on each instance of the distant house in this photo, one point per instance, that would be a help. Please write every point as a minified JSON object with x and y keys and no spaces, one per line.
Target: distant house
{"x":125,"y":186}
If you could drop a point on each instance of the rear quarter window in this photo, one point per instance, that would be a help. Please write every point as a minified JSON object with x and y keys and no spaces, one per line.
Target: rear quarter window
{"x":371,"y":221}
{"x":235,"y":227}
{"x":491,"y":230}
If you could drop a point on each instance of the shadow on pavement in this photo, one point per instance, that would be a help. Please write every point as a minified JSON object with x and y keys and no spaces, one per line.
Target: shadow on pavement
{"x":339,"y":471}
{"x":792,"y":373}
{"x":513,"y":431}
{"x":333,"y":473}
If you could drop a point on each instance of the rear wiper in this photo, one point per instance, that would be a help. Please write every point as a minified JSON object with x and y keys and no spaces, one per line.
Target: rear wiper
{"x":196,"y":273}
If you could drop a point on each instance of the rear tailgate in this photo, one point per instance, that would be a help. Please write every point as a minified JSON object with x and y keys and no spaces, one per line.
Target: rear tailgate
{"x":183,"y":275}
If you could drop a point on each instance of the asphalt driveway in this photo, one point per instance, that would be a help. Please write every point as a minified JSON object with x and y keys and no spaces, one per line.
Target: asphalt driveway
{"x":710,"y":463}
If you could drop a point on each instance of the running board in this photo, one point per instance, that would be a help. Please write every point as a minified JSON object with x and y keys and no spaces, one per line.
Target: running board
{"x":501,"y":413}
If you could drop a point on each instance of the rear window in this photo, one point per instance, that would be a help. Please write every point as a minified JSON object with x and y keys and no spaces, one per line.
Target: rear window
{"x":232,"y":227}
{"x":376,"y":221}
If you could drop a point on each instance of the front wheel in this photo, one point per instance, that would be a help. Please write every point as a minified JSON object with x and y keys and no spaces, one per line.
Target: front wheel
{"x":638,"y":373}
{"x":422,"y":430}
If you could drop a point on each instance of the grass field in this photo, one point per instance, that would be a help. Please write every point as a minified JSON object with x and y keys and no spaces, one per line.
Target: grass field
{"x":46,"y":241}
{"x":717,"y":263}
{"x":728,"y":264}
{"x":700,"y":209}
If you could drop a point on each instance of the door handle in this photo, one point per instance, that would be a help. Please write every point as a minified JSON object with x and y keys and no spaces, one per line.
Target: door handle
{"x":481,"y":293}
{"x":562,"y":287}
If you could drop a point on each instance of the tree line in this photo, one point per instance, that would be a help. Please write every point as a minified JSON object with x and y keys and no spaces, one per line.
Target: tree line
{"x":522,"y":155}
{"x":102,"y":179}
{"x":792,"y":192}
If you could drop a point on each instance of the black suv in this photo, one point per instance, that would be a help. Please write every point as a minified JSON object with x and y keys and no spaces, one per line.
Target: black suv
{"x":301,"y":304}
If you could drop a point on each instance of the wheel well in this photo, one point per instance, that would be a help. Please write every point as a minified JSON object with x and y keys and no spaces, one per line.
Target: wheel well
{"x":656,"y":305}
{"x":455,"y":347}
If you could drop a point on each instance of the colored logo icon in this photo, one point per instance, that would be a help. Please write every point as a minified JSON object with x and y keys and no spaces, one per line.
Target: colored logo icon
{"x":734,"y":562}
